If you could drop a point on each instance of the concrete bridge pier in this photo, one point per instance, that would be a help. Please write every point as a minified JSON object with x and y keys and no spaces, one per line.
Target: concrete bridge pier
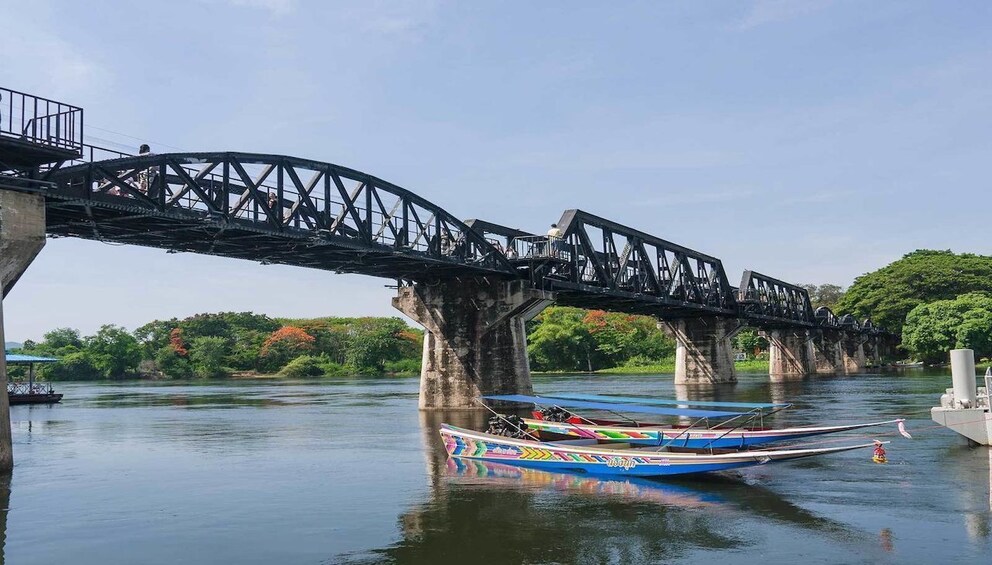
{"x":827,"y":356}
{"x":873,"y":353}
{"x":790,"y":354}
{"x":475,"y":341}
{"x":853,"y":354}
{"x":22,"y":235}
{"x":703,"y":351}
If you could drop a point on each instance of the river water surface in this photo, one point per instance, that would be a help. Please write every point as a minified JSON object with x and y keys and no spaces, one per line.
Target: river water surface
{"x":348,"y":471}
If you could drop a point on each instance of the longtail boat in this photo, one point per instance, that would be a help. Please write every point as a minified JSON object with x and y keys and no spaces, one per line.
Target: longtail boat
{"x":613,"y":458}
{"x":711,"y":429}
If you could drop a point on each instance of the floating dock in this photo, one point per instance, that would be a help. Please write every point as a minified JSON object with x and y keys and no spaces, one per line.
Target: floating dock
{"x":965,"y":408}
{"x":31,"y":392}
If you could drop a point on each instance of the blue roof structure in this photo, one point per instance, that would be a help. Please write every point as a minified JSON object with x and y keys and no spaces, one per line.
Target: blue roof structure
{"x":670,"y":402}
{"x":20,"y":359}
{"x":610,"y":406}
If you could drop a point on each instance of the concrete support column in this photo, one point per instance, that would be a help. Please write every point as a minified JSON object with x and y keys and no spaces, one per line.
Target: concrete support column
{"x":22,"y":235}
{"x":853,"y":354}
{"x":827,"y":357}
{"x":6,"y":449}
{"x":703,"y":352}
{"x":790,"y":354}
{"x":475,"y":341}
{"x":873,"y":352}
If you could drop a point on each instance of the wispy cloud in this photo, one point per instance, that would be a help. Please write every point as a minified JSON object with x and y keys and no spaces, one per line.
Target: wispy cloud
{"x":275,"y":7}
{"x":765,"y":12}
{"x":398,"y":20}
{"x":36,"y":57}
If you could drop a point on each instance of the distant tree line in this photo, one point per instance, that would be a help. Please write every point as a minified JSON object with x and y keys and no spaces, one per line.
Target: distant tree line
{"x":243,"y":343}
{"x":939,"y":300}
{"x":227,"y":343}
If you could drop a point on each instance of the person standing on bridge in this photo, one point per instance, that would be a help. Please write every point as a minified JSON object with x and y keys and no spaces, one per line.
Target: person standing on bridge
{"x":554,"y":240}
{"x":147,"y":176}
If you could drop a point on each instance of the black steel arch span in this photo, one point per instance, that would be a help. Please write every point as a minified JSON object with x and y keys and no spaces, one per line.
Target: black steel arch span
{"x":768,"y":302}
{"x":267,"y":208}
{"x":599,"y":263}
{"x":279,"y":209}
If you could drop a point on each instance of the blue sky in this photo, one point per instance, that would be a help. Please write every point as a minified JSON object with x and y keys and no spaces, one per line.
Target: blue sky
{"x":812,"y":141}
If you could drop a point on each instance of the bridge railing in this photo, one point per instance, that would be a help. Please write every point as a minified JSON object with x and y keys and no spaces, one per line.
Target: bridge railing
{"x":40,"y":120}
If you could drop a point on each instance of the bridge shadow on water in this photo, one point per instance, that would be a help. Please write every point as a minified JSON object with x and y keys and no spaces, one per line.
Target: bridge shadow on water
{"x":493,"y":513}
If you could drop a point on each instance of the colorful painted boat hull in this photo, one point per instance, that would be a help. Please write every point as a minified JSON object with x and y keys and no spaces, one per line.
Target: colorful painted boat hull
{"x":585,"y":456}
{"x":700,"y":438}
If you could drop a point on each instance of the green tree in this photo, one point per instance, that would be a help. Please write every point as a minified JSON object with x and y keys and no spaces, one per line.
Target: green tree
{"x":888,"y":294}
{"x":155,"y":335}
{"x":61,"y":338}
{"x":620,"y":337}
{"x":172,"y":364}
{"x":560,"y":340}
{"x":748,"y":341}
{"x":824,"y":295}
{"x":374,"y":341}
{"x":76,"y":366}
{"x":330,"y":339}
{"x":207,"y":354}
{"x":114,"y":352}
{"x":933,"y":329}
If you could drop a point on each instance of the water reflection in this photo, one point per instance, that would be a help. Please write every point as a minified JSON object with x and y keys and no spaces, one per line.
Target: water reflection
{"x":490,"y":512}
{"x":977,"y":521}
{"x":4,"y":510}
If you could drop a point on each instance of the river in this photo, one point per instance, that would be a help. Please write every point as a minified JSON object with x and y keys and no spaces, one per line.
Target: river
{"x":348,"y":471}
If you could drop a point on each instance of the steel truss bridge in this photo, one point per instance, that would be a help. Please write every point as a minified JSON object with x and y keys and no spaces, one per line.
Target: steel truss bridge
{"x":278,"y":209}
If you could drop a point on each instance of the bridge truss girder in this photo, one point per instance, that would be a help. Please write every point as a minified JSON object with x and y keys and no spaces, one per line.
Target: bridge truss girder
{"x":770,"y":303}
{"x":599,"y":263}
{"x":267,"y":208}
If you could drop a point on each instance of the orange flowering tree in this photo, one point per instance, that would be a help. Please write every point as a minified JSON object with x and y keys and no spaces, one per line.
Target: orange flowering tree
{"x":176,"y":342}
{"x":284,"y":344}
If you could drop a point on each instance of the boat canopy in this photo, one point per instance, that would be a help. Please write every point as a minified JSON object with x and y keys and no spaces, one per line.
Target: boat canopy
{"x":611,"y":406}
{"x":669,"y":402}
{"x":20,"y":359}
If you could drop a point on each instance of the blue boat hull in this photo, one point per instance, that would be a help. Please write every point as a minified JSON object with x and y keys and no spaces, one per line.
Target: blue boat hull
{"x":588,"y":456}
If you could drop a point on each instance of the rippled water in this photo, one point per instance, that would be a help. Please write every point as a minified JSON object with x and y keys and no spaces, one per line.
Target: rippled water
{"x":348,"y":471}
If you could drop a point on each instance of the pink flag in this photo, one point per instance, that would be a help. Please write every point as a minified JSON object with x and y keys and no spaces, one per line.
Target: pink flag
{"x":902,"y":429}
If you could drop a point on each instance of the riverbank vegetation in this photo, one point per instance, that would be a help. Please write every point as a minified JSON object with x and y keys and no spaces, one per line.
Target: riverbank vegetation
{"x":235,"y":344}
{"x":939,"y":300}
{"x":244,"y":344}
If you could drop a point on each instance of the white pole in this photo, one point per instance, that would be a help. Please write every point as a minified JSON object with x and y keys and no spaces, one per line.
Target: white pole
{"x":963,"y":377}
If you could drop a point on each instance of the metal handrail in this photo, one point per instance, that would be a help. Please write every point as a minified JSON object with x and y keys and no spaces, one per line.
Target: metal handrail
{"x":29,"y":388}
{"x":40,"y":120}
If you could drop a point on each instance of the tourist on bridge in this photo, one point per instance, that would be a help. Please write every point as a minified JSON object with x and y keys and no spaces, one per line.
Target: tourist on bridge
{"x":555,"y":246}
{"x":146,"y":177}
